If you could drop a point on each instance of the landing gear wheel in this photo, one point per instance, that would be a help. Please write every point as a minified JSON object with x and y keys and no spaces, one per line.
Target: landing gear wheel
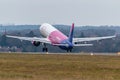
{"x":70,"y":50}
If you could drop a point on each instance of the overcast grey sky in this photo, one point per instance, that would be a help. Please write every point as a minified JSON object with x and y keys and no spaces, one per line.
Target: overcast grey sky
{"x":81,"y":12}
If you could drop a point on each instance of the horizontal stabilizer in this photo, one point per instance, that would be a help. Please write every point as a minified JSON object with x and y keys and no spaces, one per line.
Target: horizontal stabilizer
{"x":83,"y":44}
{"x":60,"y":44}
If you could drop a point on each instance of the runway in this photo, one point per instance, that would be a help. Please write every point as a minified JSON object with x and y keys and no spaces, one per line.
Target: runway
{"x":80,"y":53}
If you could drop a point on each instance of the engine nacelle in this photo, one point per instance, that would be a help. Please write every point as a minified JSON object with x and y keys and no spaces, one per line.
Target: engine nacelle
{"x":36,"y":43}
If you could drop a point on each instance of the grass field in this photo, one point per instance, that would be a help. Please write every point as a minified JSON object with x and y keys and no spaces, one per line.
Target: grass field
{"x":58,"y":67}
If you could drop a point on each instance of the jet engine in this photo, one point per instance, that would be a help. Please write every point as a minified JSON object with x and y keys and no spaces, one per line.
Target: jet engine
{"x":36,"y":43}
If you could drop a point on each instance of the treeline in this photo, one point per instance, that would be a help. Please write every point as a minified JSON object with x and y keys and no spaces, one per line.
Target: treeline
{"x":110,"y":45}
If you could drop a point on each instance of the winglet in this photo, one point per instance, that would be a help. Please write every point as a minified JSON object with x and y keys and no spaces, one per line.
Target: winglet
{"x":71,"y":33}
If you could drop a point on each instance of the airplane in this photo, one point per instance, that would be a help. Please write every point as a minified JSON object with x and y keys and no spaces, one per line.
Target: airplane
{"x":56,"y":38}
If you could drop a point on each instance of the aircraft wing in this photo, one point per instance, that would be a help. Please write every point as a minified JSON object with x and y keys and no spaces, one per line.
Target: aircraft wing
{"x":43,"y":40}
{"x":92,"y":38}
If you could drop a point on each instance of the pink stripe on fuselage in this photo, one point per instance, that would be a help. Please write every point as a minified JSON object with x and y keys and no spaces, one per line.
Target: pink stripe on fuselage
{"x":56,"y":37}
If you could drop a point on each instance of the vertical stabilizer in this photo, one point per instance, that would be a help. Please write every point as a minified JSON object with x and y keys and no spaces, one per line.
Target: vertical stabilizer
{"x":71,"y":33}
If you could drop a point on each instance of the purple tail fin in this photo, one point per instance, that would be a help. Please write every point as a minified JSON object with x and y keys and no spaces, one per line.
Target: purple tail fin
{"x":71,"y":33}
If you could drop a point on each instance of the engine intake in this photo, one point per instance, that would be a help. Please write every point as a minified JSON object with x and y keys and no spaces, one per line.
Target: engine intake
{"x":36,"y":43}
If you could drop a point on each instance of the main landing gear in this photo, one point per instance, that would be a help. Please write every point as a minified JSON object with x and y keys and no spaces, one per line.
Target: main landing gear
{"x":69,"y":50}
{"x":45,"y":49}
